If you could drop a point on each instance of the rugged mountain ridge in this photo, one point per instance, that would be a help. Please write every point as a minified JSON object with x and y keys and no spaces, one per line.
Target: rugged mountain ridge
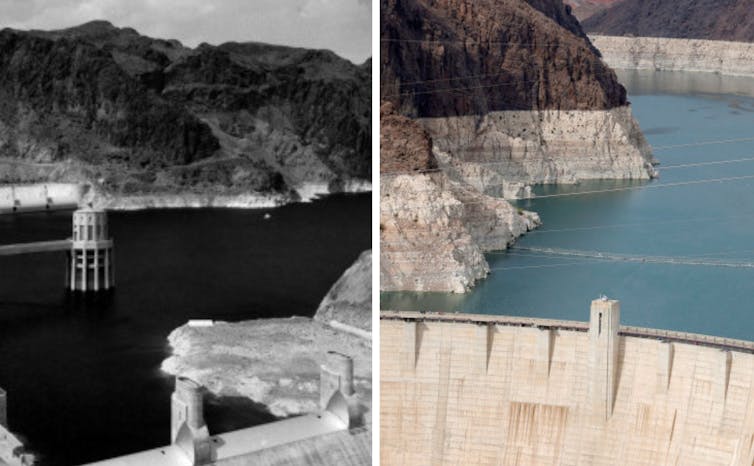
{"x":729,"y":20}
{"x":142,"y":115}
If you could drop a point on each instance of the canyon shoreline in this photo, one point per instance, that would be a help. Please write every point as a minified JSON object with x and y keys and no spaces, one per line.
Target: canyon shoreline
{"x":34,"y":197}
{"x":666,"y":54}
{"x":200,"y":201}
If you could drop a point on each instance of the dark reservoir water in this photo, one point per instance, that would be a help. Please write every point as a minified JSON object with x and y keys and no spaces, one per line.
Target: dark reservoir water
{"x":84,"y":383}
{"x":710,"y":220}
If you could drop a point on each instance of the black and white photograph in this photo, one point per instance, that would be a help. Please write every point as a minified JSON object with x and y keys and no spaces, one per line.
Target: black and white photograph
{"x":185,"y":232}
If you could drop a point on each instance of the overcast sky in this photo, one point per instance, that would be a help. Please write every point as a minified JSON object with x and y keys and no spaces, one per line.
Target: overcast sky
{"x":343,"y":26}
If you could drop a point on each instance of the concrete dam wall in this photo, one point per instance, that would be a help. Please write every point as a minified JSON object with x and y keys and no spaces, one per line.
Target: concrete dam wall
{"x":466,"y":389}
{"x":662,"y":54}
{"x":36,"y":197}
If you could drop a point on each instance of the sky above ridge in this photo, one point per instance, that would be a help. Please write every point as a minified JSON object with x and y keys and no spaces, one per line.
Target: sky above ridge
{"x":343,"y":26}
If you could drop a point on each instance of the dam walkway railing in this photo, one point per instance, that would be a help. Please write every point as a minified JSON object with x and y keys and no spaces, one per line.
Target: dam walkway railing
{"x":727,"y":344}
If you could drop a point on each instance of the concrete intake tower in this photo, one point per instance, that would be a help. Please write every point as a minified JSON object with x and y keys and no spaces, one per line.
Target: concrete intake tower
{"x":91,"y":262}
{"x":90,"y":259}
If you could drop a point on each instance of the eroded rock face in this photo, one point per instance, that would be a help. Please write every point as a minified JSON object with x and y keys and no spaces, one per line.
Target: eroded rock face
{"x":663,"y":54}
{"x":730,"y":20}
{"x":147,"y":116}
{"x":434,"y":231}
{"x":512,"y":92}
{"x":444,"y":58}
{"x":404,"y":145}
{"x":507,"y":149}
{"x":62,"y":99}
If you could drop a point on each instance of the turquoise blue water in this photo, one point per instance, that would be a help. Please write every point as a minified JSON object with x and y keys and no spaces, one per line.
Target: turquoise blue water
{"x":711,"y":220}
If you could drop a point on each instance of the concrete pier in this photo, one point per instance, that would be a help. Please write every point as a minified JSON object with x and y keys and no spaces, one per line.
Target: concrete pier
{"x":91,"y":258}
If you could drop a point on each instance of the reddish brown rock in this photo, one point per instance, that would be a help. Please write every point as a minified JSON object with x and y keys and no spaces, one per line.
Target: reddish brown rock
{"x":731,"y":20}
{"x":471,"y":57}
{"x":405,"y":146}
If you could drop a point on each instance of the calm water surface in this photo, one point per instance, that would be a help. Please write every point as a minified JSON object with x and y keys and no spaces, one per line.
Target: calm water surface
{"x":711,"y":220}
{"x":83,"y":381}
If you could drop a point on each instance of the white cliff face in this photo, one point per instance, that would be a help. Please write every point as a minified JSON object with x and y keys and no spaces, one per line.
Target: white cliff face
{"x":434,"y":232}
{"x":502,"y":152}
{"x":663,"y":54}
{"x":186,"y":200}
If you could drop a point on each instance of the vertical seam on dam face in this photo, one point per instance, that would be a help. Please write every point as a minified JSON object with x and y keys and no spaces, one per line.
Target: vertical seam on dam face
{"x":441,"y":406}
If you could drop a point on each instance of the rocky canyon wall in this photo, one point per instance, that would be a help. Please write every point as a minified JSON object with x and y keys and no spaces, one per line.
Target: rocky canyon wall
{"x":434,"y":230}
{"x":510,"y":149}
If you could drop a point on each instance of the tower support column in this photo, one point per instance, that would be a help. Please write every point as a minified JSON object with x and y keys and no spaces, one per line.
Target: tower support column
{"x":604,"y":346}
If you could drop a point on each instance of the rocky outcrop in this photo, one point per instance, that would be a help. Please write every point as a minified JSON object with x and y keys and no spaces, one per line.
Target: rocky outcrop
{"x":434,"y":231}
{"x":349,"y":301}
{"x":663,"y":54}
{"x":139,"y":116}
{"x":728,"y":20}
{"x":461,"y":57}
{"x":503,"y":151}
{"x":406,"y":146}
{"x":275,"y":362}
{"x":512,"y":97}
{"x":503,"y":94}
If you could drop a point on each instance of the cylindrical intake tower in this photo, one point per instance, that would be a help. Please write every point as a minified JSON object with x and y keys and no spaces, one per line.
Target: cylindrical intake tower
{"x":91,"y":259}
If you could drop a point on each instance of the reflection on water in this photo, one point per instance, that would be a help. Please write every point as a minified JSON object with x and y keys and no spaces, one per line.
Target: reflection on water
{"x":644,"y":82}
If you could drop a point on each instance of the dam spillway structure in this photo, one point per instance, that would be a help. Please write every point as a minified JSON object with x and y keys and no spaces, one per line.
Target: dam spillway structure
{"x":91,"y":258}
